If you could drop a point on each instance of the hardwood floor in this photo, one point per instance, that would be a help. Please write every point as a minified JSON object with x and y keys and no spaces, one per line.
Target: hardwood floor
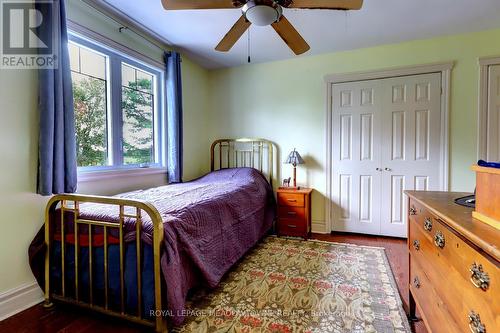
{"x":69,"y":319}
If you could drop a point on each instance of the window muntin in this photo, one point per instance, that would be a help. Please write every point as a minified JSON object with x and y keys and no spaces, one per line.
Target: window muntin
{"x":129,"y":115}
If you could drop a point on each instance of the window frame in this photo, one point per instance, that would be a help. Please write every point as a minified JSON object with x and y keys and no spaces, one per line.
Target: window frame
{"x":115,"y":59}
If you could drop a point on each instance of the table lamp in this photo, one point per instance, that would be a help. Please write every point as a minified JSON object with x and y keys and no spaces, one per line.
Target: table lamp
{"x":294,"y":159}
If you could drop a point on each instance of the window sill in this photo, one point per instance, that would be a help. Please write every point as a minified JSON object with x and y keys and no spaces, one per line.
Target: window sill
{"x":90,"y":176}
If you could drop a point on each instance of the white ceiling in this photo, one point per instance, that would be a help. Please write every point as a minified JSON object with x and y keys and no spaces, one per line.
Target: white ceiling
{"x":378,"y":22}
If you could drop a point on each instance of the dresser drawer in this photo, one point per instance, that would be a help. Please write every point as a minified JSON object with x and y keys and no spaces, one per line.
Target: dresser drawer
{"x":458,"y":259}
{"x":291,"y":199}
{"x":450,"y":276}
{"x":458,"y":295}
{"x":293,"y":213}
{"x":291,"y":227}
{"x":436,"y":316}
{"x":462,"y":256}
{"x":423,"y":218}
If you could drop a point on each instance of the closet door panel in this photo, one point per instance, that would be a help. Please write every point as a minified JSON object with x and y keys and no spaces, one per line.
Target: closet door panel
{"x":356,"y":122}
{"x":411,"y":144}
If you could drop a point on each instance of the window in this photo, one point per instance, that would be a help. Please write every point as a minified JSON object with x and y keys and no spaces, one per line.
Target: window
{"x":118,"y":108}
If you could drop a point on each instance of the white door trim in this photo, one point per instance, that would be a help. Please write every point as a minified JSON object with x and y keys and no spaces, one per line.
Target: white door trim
{"x":482,"y":116}
{"x":444,"y":68}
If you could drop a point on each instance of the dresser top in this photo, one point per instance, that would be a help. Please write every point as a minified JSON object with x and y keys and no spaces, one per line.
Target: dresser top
{"x":460,"y":219}
{"x":302,"y":190}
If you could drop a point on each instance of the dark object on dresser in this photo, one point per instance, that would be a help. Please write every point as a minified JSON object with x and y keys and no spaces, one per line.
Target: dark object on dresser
{"x":294,"y":212}
{"x":467,"y":201}
{"x":485,"y":164}
{"x":454,"y":265}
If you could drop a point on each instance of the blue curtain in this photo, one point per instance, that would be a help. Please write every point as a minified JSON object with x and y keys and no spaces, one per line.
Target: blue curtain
{"x":57,"y":142}
{"x":174,"y":117}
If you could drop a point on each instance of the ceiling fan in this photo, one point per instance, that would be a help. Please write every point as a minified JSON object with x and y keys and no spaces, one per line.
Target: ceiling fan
{"x":262,"y":13}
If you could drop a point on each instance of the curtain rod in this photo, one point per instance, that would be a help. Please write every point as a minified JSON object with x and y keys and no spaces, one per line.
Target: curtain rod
{"x":123,"y":25}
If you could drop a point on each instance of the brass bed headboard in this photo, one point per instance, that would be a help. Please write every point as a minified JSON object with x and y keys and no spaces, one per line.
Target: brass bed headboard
{"x":260,"y":154}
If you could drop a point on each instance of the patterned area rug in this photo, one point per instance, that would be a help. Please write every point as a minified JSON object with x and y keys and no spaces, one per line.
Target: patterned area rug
{"x":286,"y":285}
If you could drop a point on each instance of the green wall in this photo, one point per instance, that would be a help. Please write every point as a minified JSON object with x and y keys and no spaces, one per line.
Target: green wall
{"x":21,"y":209}
{"x":285,"y":101}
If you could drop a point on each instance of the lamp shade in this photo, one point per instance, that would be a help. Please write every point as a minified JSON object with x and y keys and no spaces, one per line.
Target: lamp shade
{"x":294,"y":158}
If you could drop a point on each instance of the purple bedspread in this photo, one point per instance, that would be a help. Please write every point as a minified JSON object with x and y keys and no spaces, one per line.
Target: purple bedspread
{"x":209,"y":224}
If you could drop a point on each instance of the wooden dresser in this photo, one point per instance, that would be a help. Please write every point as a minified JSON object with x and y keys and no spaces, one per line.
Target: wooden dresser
{"x":294,"y":212}
{"x":454,"y":265}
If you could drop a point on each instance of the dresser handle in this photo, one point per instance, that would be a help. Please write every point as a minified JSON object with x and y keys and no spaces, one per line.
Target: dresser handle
{"x":475,"y":324}
{"x":428,"y":224}
{"x":439,"y":240}
{"x":413,"y":211}
{"x":291,"y":226}
{"x":292,"y":213}
{"x":416,"y":244}
{"x":416,"y":282}
{"x":291,"y":200}
{"x":478,"y":277}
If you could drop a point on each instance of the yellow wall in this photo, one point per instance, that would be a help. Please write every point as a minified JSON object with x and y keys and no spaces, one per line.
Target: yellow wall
{"x":285,"y":101}
{"x":21,"y":211}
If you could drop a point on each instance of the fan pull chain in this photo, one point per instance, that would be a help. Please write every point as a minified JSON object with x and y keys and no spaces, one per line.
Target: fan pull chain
{"x":248,"y":46}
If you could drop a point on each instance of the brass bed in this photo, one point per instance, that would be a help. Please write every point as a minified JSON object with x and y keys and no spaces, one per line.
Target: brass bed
{"x":260,"y":154}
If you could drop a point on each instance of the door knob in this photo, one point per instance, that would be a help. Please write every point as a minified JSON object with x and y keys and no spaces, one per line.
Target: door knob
{"x":388,"y":169}
{"x":379,"y":169}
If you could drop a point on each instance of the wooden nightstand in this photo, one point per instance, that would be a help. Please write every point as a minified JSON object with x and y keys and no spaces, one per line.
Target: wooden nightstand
{"x":294,"y":212}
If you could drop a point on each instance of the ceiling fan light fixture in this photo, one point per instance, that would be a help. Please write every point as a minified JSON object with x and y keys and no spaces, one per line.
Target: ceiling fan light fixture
{"x":262,"y":15}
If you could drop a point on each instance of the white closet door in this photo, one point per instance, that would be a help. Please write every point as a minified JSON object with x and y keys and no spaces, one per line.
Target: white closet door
{"x":410,"y":145}
{"x":493,"y":120}
{"x":386,"y":139}
{"x":356,"y":155}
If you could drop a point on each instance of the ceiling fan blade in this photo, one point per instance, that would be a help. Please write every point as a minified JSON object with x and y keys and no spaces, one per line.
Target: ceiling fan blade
{"x":196,"y":4}
{"x":291,"y":36}
{"x":327,"y":4}
{"x":233,"y":35}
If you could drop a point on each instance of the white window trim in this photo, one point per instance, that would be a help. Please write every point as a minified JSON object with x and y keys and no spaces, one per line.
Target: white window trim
{"x":96,"y":175}
{"x":86,"y":174}
{"x":94,"y":36}
{"x":482,"y":116}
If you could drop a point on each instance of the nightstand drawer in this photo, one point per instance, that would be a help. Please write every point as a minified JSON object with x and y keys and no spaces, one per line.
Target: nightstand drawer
{"x":291,"y":199}
{"x":292,"y":213}
{"x":291,"y":227}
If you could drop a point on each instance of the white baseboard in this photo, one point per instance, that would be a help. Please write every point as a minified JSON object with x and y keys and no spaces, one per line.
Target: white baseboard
{"x":319,"y":227}
{"x":19,"y":299}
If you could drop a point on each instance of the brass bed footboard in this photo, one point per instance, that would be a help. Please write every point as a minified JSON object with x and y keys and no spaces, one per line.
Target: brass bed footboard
{"x":256,"y":153}
{"x":61,"y":204}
